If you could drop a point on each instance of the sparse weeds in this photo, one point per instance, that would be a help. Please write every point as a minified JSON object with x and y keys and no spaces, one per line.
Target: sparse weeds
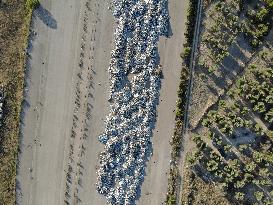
{"x":176,"y":142}
{"x":32,"y":4}
{"x":15,"y":19}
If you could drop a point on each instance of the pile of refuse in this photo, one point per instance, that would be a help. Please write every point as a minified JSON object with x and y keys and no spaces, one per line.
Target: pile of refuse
{"x":134,"y":94}
{"x":1,"y":105}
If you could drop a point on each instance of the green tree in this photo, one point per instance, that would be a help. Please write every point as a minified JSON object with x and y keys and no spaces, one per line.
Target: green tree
{"x":260,"y":107}
{"x":262,"y":13}
{"x":269,"y":116}
{"x":242,"y":147}
{"x":212,"y":165}
{"x":245,"y":110}
{"x":171,"y":200}
{"x":206,"y":123}
{"x":269,"y":99}
{"x":186,"y":52}
{"x":227,"y":147}
{"x":222,"y":104}
{"x":258,"y":129}
{"x":250,"y":167}
{"x":264,"y":172}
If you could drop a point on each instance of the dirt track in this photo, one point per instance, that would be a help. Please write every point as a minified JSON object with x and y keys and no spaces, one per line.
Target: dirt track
{"x":52,"y":88}
{"x":47,"y":115}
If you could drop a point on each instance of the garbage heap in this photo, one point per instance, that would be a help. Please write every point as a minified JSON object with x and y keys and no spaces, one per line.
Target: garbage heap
{"x":134,"y":93}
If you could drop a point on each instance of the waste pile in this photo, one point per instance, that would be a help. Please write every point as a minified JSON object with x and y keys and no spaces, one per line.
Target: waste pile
{"x":134,"y":92}
{"x":1,"y":105}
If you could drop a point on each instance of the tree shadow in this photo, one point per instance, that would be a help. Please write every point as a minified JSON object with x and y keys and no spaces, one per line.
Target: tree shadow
{"x":18,"y":191}
{"x":240,"y":136}
{"x":45,"y":16}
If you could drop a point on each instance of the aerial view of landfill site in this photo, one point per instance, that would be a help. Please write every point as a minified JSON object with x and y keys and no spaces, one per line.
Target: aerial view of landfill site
{"x":136,"y":102}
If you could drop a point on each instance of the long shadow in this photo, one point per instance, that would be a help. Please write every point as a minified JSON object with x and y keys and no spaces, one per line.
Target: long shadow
{"x":45,"y":16}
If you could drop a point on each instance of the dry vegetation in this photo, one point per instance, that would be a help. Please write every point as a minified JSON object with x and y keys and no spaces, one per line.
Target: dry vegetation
{"x":177,"y":141}
{"x":192,"y":186}
{"x":232,"y":107}
{"x":15,"y":18}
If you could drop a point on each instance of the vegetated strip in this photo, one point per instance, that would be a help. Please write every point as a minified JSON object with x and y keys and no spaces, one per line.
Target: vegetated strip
{"x":177,"y":139}
{"x":15,"y":18}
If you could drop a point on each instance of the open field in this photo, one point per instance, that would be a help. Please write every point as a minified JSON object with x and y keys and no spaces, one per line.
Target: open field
{"x":66,"y":103}
{"x":231,"y":107}
{"x":14,"y":23}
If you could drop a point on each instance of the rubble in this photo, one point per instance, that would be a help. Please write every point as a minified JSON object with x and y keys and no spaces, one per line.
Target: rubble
{"x":133,"y":100}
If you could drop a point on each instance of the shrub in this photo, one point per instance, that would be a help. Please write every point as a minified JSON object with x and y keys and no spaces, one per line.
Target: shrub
{"x":211,"y":69}
{"x":186,"y":53}
{"x":258,"y":195}
{"x":32,"y":4}
{"x":239,"y":196}
{"x":262,"y":14}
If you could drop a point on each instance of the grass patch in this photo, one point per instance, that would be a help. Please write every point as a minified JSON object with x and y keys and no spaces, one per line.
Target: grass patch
{"x":15,"y":17}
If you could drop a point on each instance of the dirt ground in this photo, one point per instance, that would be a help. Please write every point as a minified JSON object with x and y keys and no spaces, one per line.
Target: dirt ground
{"x":49,"y":112}
{"x":154,"y":188}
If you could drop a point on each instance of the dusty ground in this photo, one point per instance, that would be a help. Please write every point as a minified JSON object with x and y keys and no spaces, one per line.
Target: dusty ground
{"x":49,"y":98}
{"x":49,"y":111}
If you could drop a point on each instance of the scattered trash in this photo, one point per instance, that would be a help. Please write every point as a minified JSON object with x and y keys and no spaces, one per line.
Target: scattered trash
{"x":2,"y":98}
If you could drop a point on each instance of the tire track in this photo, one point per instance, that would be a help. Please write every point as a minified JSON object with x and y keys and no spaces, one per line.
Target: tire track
{"x":82,"y":109}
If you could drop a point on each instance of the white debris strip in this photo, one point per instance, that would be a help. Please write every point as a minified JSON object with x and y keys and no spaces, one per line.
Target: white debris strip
{"x":134,"y":92}
{"x":1,"y":105}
